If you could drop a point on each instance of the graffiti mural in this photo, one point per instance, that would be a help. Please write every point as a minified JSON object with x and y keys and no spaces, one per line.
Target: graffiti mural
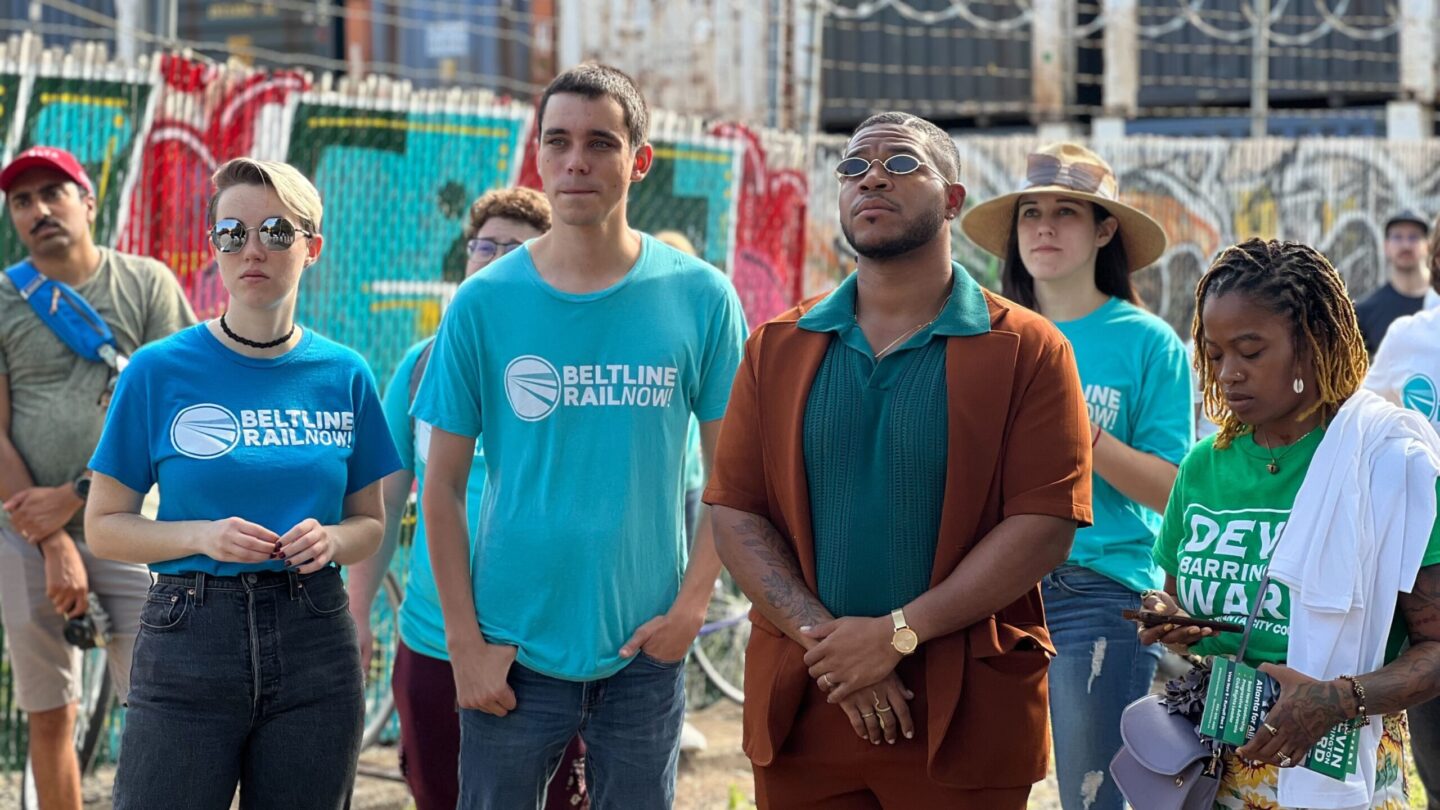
{"x":1332,"y":193}
{"x":101,"y":122}
{"x":770,"y":229}
{"x":205,"y":115}
{"x":397,"y":185}
{"x":690,"y":189}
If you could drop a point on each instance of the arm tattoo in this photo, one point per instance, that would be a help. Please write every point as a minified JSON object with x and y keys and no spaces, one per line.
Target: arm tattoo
{"x":774,"y":568}
{"x":1414,"y":677}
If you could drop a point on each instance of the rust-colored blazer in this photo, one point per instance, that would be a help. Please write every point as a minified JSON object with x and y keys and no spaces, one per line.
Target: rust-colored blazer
{"x":1019,"y":443}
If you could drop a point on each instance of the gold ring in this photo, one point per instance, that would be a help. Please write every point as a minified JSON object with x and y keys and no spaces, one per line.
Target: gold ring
{"x":867,"y":715}
{"x":1284,"y":760}
{"x":826,"y":680}
{"x":882,"y":709}
{"x":1274,"y":732}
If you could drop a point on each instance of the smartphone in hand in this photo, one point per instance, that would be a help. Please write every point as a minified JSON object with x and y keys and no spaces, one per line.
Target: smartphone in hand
{"x":1153,"y":618}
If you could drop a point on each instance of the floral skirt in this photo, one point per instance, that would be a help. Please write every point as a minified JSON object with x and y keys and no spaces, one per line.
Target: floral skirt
{"x":1253,"y":786}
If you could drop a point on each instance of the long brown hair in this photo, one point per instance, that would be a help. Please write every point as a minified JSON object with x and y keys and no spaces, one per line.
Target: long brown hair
{"x":1112,"y":267}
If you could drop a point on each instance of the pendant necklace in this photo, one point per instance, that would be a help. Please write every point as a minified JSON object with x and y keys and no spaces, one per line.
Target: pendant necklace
{"x":1274,"y":466}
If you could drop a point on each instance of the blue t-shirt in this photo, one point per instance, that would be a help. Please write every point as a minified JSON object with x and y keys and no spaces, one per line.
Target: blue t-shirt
{"x":422,"y":624}
{"x":1136,"y":377}
{"x":583,"y":401}
{"x":272,"y":441}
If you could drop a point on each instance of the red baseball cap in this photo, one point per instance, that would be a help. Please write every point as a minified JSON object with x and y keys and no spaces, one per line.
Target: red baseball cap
{"x":45,"y":157}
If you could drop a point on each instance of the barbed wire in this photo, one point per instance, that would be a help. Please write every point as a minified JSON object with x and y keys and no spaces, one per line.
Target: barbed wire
{"x":1326,"y":21}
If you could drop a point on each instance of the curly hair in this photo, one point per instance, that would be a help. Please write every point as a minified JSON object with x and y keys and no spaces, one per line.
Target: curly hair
{"x":1296,"y":282}
{"x":522,"y":204}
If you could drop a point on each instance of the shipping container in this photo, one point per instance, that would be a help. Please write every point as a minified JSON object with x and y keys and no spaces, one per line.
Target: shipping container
{"x":948,"y":71}
{"x":448,"y":42}
{"x":1204,"y":58}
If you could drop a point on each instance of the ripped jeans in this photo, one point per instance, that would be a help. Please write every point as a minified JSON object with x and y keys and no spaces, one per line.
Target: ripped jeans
{"x":1100,"y":670}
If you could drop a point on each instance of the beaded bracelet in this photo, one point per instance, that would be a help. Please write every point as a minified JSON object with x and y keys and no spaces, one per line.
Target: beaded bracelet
{"x":1359,"y":720}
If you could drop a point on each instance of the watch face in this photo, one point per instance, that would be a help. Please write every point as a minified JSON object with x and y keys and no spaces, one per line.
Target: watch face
{"x":82,"y":488}
{"x":905,"y":641}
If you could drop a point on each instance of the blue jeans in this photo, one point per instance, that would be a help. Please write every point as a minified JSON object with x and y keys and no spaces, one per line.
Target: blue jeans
{"x":630,"y":723}
{"x":252,"y":680}
{"x":1101,"y":668}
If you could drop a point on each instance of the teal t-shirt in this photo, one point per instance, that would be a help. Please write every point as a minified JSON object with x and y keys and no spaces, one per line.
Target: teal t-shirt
{"x":694,"y":459}
{"x":1221,"y":526}
{"x":1136,"y":378}
{"x":422,"y":624}
{"x":270,"y":440}
{"x":875,"y":446}
{"x":582,"y":402}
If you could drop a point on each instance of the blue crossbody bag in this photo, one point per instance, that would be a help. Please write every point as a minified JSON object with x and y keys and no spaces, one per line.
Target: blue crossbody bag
{"x":68,"y":315}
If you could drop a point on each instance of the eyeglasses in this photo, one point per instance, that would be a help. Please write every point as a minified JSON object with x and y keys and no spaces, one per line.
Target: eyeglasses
{"x":489,"y":249}
{"x":853,"y":167}
{"x":276,"y":233}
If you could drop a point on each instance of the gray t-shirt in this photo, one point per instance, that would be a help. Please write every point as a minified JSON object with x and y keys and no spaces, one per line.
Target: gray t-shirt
{"x":55,"y":411}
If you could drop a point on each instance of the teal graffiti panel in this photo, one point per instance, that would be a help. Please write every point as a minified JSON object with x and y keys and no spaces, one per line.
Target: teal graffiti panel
{"x":689,"y":189}
{"x":98,"y":121}
{"x":397,"y":189}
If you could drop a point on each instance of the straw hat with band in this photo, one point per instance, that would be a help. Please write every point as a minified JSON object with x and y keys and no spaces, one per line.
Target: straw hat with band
{"x":1075,"y":172}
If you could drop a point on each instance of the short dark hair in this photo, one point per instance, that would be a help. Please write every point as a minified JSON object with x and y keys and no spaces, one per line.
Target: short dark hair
{"x":594,"y":80}
{"x":943,"y":152}
{"x":1112,"y":267}
{"x":520,"y":204}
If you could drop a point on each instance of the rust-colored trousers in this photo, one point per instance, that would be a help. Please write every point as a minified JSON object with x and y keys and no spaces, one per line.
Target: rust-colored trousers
{"x":825,"y":766}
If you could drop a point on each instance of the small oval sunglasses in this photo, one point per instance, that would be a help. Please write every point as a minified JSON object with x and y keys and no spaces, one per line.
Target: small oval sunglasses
{"x":276,"y":233}
{"x":852,"y":167}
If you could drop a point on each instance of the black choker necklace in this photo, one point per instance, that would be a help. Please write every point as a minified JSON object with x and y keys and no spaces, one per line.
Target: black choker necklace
{"x":255,"y":344}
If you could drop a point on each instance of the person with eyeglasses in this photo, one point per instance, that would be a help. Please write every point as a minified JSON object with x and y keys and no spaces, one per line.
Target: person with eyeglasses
{"x":268,"y":443}
{"x":903,"y":460}
{"x":52,"y":408}
{"x":1407,"y":281}
{"x":423,"y":682}
{"x":1070,"y":248}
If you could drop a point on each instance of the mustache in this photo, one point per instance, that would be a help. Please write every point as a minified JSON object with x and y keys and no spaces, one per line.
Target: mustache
{"x":43,"y":223}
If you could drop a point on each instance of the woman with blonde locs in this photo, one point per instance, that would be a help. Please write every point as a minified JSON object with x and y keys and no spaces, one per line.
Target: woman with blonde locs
{"x":268,"y":444}
{"x":1310,"y":516}
{"x":1069,"y":247}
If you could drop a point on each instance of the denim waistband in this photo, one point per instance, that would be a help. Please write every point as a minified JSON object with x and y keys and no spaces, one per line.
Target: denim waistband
{"x":201,"y":582}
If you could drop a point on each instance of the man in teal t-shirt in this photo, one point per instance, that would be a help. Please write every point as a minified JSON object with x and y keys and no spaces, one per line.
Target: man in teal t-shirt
{"x":579,"y":359}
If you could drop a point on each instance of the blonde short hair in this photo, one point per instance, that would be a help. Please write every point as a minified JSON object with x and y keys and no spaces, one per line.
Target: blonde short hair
{"x":294,"y":189}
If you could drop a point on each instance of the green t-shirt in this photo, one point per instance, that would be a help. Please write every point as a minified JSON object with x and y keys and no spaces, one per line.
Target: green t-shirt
{"x":1224,"y":517}
{"x":55,"y":411}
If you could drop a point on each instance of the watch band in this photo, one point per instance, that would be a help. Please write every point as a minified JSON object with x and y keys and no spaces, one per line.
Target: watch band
{"x":898,"y":617}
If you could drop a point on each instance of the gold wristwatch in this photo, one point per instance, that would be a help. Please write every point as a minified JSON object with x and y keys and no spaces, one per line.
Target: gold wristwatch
{"x":904,"y":641}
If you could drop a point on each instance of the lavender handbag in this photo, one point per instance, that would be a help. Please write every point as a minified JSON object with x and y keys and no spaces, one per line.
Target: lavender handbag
{"x":1164,"y":764}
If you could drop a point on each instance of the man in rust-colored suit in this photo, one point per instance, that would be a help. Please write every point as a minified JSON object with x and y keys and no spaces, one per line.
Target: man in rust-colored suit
{"x":901,"y":462}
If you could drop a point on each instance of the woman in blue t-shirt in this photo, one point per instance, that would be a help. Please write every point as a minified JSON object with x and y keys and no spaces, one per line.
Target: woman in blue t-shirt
{"x":268,"y":445}
{"x":1069,"y":246}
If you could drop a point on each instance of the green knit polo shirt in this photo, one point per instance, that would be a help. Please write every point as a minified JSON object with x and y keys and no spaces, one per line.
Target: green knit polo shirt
{"x":875,"y":443}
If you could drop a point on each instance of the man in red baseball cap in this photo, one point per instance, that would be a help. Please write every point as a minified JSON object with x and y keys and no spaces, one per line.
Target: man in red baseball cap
{"x":46,"y":157}
{"x":49,"y":407}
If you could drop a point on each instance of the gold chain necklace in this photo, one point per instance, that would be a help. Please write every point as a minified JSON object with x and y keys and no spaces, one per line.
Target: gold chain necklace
{"x":908,"y":332}
{"x":1274,"y":465}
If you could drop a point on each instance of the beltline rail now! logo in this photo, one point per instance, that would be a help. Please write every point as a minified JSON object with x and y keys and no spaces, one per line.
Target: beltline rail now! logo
{"x":208,"y":430}
{"x":533,"y":387}
{"x":536,"y":388}
{"x":205,"y":431}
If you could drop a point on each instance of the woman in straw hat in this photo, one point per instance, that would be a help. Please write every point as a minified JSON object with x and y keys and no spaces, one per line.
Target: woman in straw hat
{"x":1069,"y":246}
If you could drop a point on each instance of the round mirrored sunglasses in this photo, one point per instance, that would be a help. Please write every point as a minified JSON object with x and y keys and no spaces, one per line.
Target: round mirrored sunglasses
{"x":276,"y":233}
